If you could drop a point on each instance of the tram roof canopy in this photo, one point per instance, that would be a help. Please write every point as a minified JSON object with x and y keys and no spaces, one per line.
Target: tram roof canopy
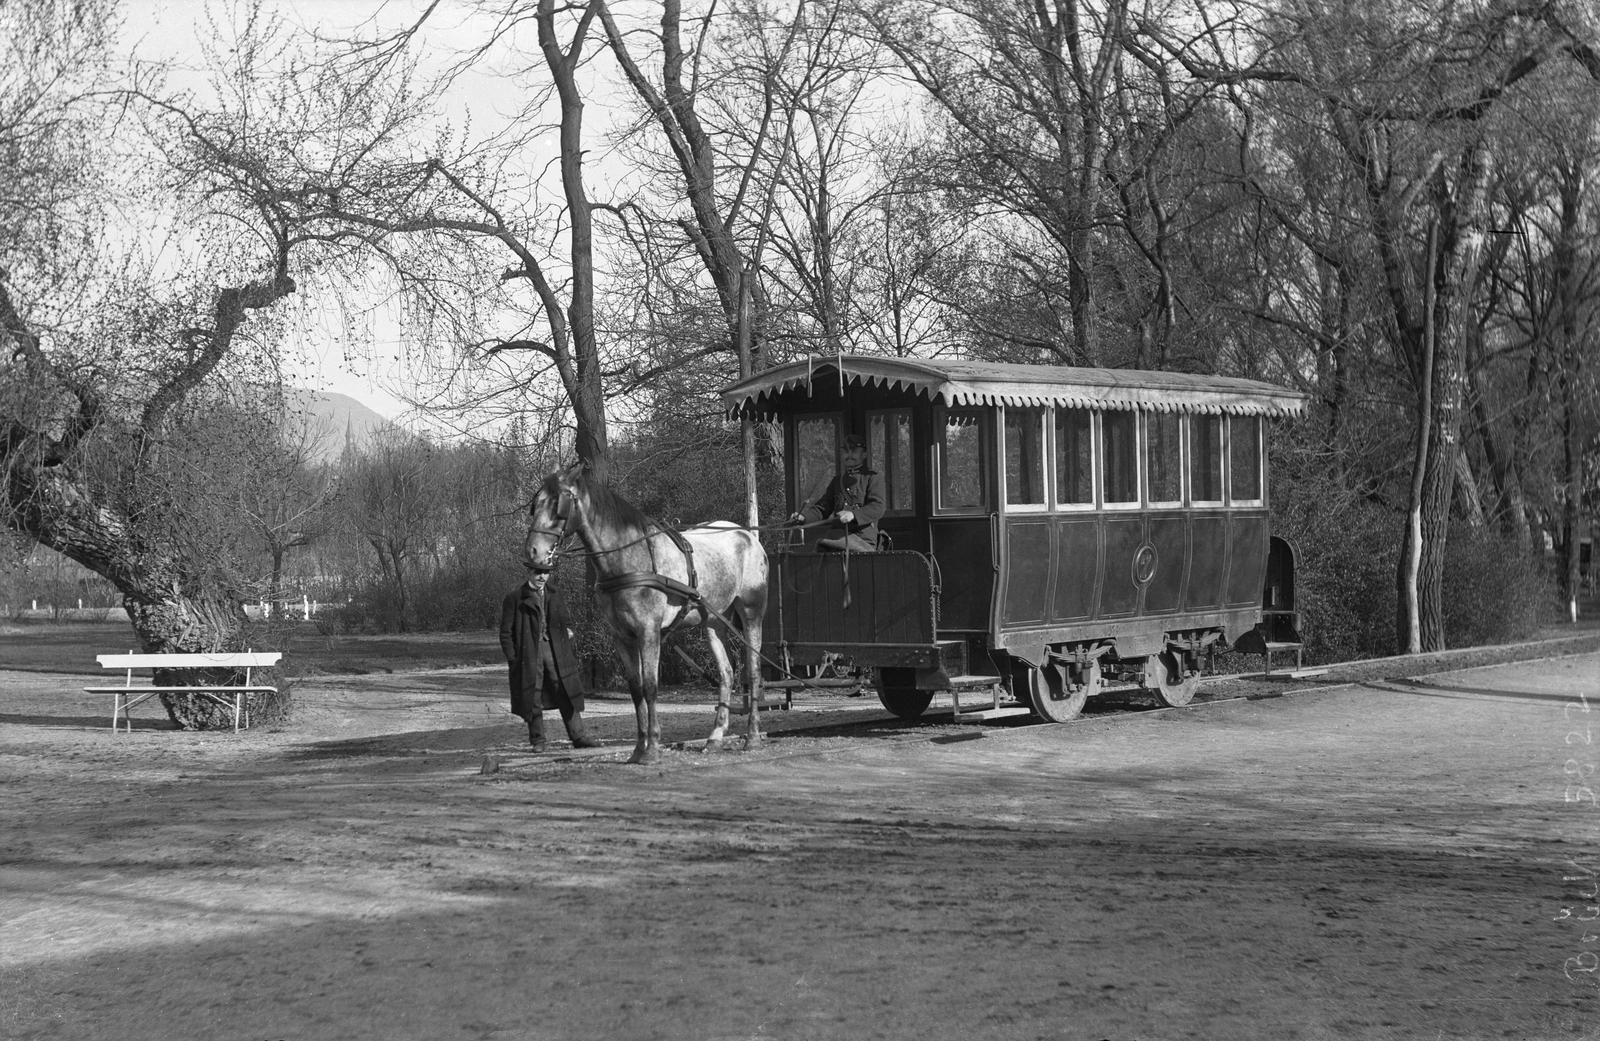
{"x":958,"y":382}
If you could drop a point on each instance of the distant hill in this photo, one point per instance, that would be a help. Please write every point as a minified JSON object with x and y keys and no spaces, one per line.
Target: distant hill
{"x":335,"y":419}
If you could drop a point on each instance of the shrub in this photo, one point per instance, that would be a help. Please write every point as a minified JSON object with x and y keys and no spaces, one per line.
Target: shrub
{"x":1345,"y":554}
{"x":1492,"y":592}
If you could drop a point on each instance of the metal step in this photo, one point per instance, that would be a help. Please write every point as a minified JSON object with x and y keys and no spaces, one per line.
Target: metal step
{"x":974,"y":681}
{"x":982,"y":714}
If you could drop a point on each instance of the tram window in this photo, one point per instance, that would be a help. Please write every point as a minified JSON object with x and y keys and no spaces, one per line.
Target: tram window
{"x":1205,"y":459}
{"x":1074,"y":457}
{"x":961,"y":460}
{"x":1163,"y":457}
{"x":889,"y":452}
{"x":816,"y":457}
{"x":1025,"y":457}
{"x":1244,"y":458}
{"x":1119,"y":441}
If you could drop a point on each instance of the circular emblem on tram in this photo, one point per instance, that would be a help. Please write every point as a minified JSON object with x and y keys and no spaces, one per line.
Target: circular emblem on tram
{"x":1144,"y":564}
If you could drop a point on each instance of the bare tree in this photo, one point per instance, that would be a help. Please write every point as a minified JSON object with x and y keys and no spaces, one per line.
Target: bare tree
{"x":289,"y":497}
{"x":149,"y":255}
{"x":1030,"y":91}
{"x":1415,"y":125}
{"x":394,"y":503}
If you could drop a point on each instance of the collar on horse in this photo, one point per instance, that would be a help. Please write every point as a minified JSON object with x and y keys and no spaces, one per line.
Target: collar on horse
{"x":653,"y":579}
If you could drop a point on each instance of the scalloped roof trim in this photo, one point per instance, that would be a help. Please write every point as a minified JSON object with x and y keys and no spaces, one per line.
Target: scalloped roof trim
{"x":991,"y":383}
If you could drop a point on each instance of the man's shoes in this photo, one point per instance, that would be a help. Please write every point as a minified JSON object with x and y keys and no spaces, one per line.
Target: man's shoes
{"x":536,"y":731}
{"x":580,"y":733}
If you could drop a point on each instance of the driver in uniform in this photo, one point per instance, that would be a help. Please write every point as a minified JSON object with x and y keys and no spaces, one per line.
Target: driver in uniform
{"x":854,"y":500}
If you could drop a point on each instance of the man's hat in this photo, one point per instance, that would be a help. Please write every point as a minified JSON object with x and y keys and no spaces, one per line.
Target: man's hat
{"x":855,"y":441}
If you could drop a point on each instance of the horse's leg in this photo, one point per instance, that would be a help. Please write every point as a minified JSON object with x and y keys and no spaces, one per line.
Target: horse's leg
{"x":648,"y":750}
{"x":719,"y":653}
{"x":751,"y":629}
{"x":631,"y":656}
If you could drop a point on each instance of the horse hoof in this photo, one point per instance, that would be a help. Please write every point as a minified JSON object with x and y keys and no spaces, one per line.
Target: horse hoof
{"x":713,"y":745}
{"x":753,"y":741}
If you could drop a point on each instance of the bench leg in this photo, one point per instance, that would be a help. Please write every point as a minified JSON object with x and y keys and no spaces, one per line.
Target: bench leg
{"x":121,"y":708}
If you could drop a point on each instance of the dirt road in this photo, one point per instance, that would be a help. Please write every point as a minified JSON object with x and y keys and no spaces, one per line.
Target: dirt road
{"x":1384,"y":861}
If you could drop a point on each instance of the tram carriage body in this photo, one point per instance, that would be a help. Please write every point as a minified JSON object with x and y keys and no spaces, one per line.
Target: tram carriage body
{"x":1048,"y":523}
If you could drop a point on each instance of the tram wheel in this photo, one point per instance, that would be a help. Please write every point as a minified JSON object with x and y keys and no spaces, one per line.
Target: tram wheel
{"x":897,"y":690}
{"x":1165,"y":678}
{"x":1050,"y":692}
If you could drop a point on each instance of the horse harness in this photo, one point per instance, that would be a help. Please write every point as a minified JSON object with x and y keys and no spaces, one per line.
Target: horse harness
{"x":652,"y":579}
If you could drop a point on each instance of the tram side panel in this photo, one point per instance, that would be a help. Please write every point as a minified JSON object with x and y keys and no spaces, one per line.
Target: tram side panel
{"x":1129,"y":578}
{"x":876,"y":609}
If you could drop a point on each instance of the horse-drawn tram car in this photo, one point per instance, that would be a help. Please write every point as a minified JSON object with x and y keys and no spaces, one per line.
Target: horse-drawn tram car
{"x":1044,"y":529}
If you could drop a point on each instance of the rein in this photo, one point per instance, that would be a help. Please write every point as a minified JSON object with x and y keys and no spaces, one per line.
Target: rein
{"x":670,"y":532}
{"x":653,"y":579}
{"x":689,"y":591}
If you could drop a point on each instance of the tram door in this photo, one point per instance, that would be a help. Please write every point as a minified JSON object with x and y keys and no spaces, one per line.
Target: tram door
{"x":961,"y":528}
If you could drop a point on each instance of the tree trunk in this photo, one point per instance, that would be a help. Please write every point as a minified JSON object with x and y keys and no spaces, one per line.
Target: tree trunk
{"x":1512,"y":516}
{"x":1454,"y":261}
{"x":1568,"y":299}
{"x":1467,"y":496}
{"x":198,"y":625}
{"x":1409,"y":616}
{"x":1571,"y":459}
{"x":586,"y":395}
{"x":275,"y":584}
{"x":400,"y":588}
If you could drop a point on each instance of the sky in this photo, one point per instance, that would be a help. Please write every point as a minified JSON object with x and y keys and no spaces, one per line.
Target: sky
{"x":170,"y":31}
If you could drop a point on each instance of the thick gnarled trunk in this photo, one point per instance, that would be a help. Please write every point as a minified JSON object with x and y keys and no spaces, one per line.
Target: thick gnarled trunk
{"x":185,"y":625}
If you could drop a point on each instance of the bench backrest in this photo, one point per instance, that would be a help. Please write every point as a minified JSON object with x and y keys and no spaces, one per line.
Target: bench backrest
{"x":219,"y":660}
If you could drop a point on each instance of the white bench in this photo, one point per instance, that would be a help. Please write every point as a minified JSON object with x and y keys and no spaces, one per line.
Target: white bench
{"x":224,"y":694}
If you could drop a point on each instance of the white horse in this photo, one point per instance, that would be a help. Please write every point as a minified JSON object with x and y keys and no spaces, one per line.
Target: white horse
{"x":653,"y":580}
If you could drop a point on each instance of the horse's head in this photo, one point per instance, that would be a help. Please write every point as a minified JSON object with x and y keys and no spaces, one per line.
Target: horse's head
{"x":551,"y":518}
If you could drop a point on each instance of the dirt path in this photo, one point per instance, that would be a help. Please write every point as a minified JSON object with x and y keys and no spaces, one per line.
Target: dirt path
{"x":1383,"y":861}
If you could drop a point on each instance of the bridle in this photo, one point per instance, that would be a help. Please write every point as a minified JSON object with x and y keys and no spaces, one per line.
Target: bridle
{"x":563,"y":514}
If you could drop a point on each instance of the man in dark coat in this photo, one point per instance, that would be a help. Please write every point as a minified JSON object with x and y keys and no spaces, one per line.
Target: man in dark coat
{"x":537,"y":641}
{"x":854,"y":499}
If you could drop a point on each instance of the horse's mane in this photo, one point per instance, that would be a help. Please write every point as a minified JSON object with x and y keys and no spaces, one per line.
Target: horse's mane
{"x":609,"y":507}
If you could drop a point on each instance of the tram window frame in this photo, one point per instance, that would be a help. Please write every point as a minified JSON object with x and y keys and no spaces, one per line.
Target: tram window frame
{"x":1145,"y":419}
{"x":798,"y":500}
{"x":1260,"y":462}
{"x":941,"y":423}
{"x":1222,"y":460}
{"x":899,"y":475}
{"x":1042,"y":433}
{"x":1091,"y":463}
{"x":1102,"y":447}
